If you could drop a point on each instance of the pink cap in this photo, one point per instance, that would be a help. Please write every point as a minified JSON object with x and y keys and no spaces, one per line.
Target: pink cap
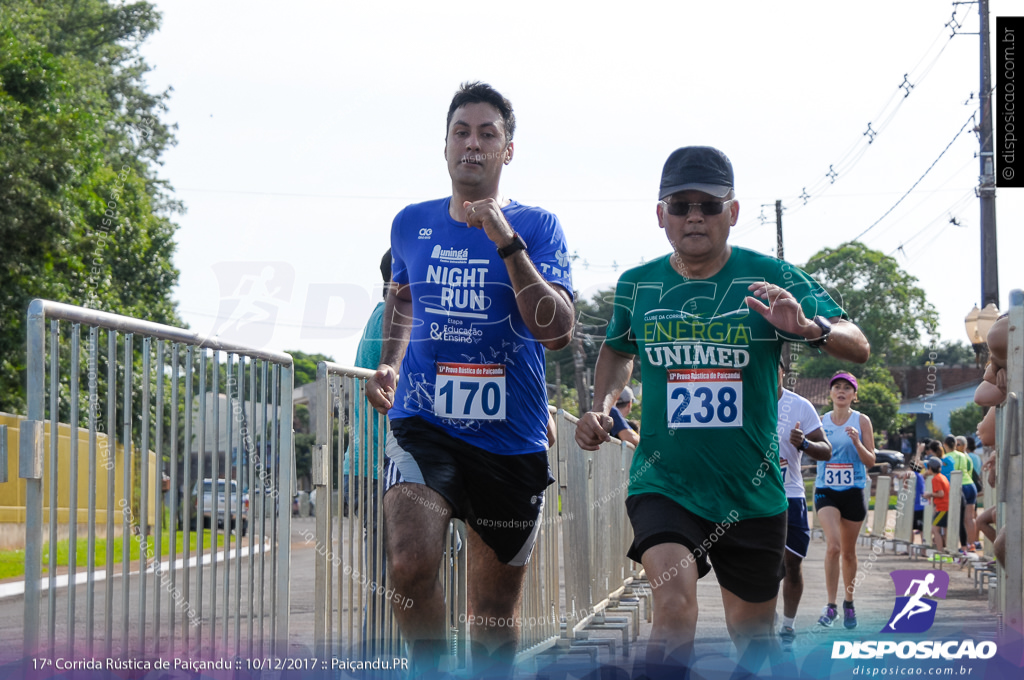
{"x":843,"y":376}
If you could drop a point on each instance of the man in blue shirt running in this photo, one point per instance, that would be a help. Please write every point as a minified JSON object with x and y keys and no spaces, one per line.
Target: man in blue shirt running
{"x":482,"y":286}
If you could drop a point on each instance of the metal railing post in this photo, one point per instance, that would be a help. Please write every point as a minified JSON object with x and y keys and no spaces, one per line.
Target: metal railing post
{"x":30,"y":468}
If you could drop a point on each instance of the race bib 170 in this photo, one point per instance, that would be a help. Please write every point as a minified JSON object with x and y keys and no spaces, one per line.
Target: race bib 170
{"x":470,"y":391}
{"x":705,"y":397}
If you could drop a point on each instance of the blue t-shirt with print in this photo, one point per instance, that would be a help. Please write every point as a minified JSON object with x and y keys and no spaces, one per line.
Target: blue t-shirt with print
{"x":472,"y":366}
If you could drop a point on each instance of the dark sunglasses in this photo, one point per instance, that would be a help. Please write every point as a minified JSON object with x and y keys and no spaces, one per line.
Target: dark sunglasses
{"x":681,"y":209}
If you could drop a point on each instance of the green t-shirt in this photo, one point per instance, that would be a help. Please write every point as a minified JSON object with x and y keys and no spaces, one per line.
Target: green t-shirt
{"x":962,"y":462}
{"x":709,"y":367}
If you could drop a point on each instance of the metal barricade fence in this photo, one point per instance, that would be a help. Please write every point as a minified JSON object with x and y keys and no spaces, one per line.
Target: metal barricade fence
{"x":158,"y":393}
{"x":905,"y":495}
{"x":541,"y":611}
{"x":353,"y":604}
{"x":354,"y":600}
{"x":595,"y":542}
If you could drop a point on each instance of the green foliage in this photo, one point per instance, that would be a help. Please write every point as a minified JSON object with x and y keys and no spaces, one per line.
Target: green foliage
{"x":964,"y":421}
{"x":882,"y":299}
{"x":880,"y":402}
{"x":305,"y":365}
{"x":948,"y":353}
{"x":877,"y":395}
{"x":592,"y":318}
{"x":12,"y":562}
{"x":85,"y":219}
{"x":304,"y":442}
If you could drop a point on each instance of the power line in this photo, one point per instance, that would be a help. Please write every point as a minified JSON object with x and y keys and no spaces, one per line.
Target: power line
{"x":955,"y":137}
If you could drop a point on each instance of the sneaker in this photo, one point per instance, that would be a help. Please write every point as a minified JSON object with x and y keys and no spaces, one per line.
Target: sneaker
{"x":828,"y":616}
{"x":849,"y":617}
{"x":786,"y":636}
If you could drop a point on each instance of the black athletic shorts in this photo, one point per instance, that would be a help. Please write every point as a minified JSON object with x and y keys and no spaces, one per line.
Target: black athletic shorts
{"x":850,"y":502}
{"x":499,"y":497}
{"x":919,"y":520}
{"x":746,"y":555}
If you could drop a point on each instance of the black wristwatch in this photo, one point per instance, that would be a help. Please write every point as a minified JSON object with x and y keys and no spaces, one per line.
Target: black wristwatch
{"x":805,"y":444}
{"x":826,"y":327}
{"x":515,"y":246}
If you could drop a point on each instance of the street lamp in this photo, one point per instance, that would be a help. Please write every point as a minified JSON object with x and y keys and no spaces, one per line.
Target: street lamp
{"x":986,"y":319}
{"x":978,"y":322}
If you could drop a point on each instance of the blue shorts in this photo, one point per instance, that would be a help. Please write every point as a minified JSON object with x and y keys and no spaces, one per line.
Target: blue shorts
{"x":970,"y":494}
{"x":798,"y":534}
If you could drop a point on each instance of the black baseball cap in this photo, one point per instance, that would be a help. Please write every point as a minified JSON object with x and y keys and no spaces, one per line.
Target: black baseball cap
{"x":697,"y":168}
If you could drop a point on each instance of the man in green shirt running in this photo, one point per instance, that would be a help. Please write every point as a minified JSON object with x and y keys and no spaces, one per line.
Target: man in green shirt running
{"x":708,"y":322}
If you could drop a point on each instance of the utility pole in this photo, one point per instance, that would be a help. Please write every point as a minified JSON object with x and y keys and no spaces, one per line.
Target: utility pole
{"x":580,"y":369}
{"x":987,"y":185}
{"x":778,"y":229}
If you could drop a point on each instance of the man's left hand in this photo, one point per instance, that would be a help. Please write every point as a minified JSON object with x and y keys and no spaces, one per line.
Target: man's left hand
{"x":487,"y":215}
{"x":782,"y":311}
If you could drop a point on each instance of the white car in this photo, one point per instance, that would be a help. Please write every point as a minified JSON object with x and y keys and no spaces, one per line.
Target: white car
{"x":227,"y":507}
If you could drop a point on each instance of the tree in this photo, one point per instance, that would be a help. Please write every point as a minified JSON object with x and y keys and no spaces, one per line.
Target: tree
{"x":84,"y":218}
{"x":964,"y":421}
{"x":882,"y":299}
{"x":305,"y":365}
{"x":881,"y":403}
{"x":947,"y":353}
{"x":592,"y":318}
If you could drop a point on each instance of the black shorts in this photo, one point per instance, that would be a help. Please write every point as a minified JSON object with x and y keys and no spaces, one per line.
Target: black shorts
{"x":746,"y":555}
{"x":850,"y":502}
{"x":919,"y":520}
{"x":940,"y":518}
{"x":798,"y":534}
{"x":499,"y":497}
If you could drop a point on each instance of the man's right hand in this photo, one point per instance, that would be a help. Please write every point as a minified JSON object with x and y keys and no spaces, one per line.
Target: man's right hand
{"x":592,"y":430}
{"x":380,"y":389}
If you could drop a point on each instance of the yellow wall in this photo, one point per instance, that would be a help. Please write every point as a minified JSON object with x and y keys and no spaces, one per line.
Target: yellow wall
{"x":12,"y":493}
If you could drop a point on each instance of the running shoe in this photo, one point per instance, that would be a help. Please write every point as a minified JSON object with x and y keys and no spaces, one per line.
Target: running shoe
{"x":849,"y":617}
{"x":828,"y":616}
{"x":787,"y":636}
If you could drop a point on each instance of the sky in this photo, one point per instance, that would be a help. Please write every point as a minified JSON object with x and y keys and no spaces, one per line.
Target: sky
{"x":304,"y":128}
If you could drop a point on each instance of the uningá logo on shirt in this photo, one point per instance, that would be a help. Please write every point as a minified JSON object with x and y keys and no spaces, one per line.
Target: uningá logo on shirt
{"x":453,"y":255}
{"x":916,"y":593}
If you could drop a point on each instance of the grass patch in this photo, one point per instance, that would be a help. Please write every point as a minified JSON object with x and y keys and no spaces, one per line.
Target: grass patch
{"x":12,"y":562}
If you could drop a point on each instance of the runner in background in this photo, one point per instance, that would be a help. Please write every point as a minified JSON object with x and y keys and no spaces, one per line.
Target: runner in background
{"x":939,"y":496}
{"x":799,"y":432}
{"x":970,"y":494}
{"x":839,"y":493}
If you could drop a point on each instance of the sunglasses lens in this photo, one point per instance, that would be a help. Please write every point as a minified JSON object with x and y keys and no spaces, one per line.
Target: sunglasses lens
{"x":680,"y":209}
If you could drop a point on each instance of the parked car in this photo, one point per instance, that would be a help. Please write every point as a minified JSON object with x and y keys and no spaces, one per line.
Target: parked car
{"x":226,"y":505}
{"x":894,"y":459}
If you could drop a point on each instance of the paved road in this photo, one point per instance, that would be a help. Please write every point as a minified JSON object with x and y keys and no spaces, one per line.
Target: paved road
{"x":963,"y":611}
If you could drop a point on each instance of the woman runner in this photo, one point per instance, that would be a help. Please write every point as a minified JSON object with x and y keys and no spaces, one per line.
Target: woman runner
{"x":839,"y":493}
